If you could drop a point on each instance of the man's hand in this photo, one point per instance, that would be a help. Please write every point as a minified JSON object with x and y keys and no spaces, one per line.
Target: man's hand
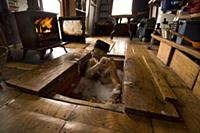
{"x":104,"y":62}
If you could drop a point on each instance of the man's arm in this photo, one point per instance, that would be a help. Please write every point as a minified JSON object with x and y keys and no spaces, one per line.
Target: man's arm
{"x":92,"y":67}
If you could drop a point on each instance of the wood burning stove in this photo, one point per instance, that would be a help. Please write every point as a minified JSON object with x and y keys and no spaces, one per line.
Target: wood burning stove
{"x":38,"y":31}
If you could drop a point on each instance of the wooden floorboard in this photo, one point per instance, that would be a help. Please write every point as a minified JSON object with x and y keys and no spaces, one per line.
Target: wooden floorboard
{"x":44,"y":106}
{"x":160,"y":126}
{"x":111,"y":120}
{"x":19,"y":121}
{"x":26,"y":113}
{"x":139,"y":92}
{"x":77,"y":127}
{"x":107,"y":106}
{"x":37,"y":79}
{"x":188,"y":104}
{"x":21,"y":66}
{"x":7,"y":95}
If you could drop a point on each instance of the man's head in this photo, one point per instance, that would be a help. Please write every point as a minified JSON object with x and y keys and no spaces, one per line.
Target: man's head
{"x":100,"y":49}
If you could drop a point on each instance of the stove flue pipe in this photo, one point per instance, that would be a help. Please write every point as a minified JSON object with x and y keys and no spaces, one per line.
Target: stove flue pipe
{"x":34,"y":5}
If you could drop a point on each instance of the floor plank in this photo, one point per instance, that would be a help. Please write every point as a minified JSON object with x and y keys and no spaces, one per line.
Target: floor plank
{"x":77,"y":127}
{"x":19,"y":121}
{"x":168,"y":127}
{"x":139,"y":92}
{"x":188,"y":104}
{"x":7,"y":95}
{"x":21,"y":66}
{"x":111,"y":120}
{"x":43,"y":106}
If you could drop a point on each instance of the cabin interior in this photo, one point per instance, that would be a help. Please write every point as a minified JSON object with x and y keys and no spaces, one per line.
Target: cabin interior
{"x":45,"y":47}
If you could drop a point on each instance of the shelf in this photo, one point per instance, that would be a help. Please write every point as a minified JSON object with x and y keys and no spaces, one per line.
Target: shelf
{"x":190,"y":16}
{"x":189,"y":50}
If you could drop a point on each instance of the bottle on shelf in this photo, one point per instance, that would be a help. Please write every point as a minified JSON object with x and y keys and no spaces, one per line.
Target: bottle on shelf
{"x":165,"y":28}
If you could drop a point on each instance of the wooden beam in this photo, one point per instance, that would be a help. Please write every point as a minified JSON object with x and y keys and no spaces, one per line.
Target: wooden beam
{"x":164,"y":89}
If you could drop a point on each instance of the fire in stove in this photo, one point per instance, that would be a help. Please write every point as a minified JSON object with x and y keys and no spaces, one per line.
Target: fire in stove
{"x":44,"y":25}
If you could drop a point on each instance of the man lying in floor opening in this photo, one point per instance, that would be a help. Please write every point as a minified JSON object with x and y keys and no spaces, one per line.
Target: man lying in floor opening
{"x":101,"y":81}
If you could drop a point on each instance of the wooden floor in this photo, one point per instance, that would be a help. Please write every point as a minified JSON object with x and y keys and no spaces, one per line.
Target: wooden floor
{"x":26,"y":113}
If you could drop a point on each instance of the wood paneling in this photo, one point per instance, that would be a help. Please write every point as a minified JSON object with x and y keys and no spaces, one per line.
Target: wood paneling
{"x":45,"y":106}
{"x":19,"y":121}
{"x":164,"y":52}
{"x":186,"y":68}
{"x":196,"y":89}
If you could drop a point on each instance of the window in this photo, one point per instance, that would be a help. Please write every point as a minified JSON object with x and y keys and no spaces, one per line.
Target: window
{"x":122,"y":7}
{"x":51,"y":6}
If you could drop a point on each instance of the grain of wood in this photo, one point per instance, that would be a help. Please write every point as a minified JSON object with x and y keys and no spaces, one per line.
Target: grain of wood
{"x":21,"y":66}
{"x":139,"y":92}
{"x":186,"y":68}
{"x":77,"y":127}
{"x":164,"y":52}
{"x":164,"y":89}
{"x":111,"y":120}
{"x":160,"y":126}
{"x":196,"y":89}
{"x":37,"y":79}
{"x":7,"y":95}
{"x":188,"y":104}
{"x":44,"y":106}
{"x":111,"y":107}
{"x":19,"y":121}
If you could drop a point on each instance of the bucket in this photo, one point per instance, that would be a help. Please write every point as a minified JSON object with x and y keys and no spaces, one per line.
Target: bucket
{"x":3,"y":56}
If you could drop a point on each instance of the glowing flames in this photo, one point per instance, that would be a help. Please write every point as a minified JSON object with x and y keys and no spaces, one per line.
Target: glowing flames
{"x":43,"y":25}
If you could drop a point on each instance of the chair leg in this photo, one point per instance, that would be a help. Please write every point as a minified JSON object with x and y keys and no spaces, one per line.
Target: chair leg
{"x":42,"y":53}
{"x":51,"y":50}
{"x":64,"y":48}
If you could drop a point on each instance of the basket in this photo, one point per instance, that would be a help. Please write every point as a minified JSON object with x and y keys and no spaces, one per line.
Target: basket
{"x":3,"y":56}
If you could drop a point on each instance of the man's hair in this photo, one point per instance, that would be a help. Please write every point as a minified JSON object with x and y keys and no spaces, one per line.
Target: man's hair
{"x":102,"y":45}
